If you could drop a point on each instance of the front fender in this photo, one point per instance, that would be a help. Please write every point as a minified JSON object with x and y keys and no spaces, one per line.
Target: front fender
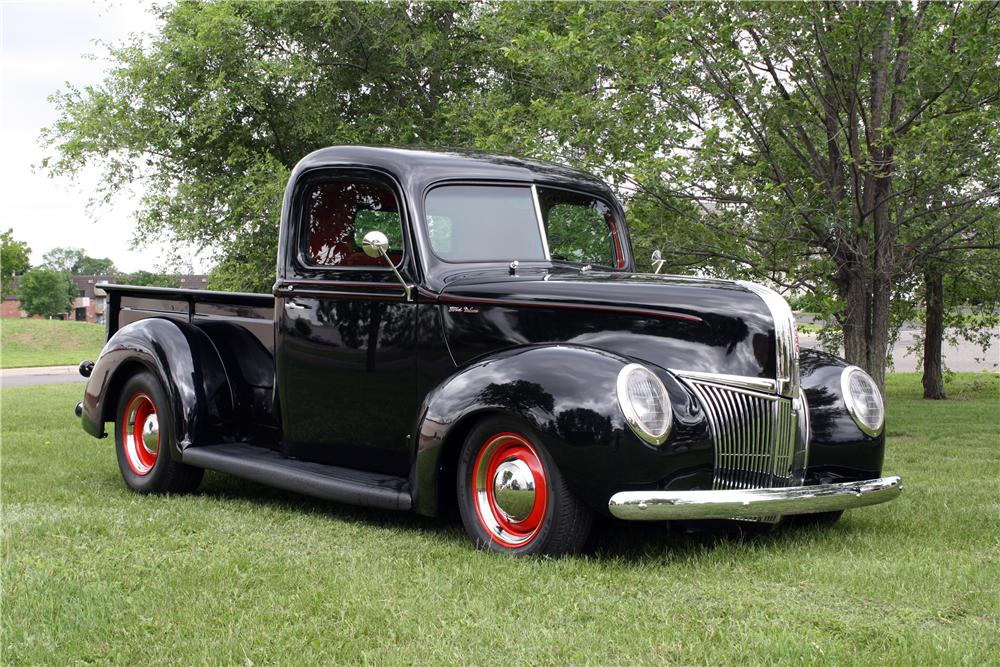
{"x":566,"y":395}
{"x":839,"y":451}
{"x":185,"y":362}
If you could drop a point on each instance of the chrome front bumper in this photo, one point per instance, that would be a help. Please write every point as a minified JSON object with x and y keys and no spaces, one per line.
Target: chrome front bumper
{"x":739,"y":503}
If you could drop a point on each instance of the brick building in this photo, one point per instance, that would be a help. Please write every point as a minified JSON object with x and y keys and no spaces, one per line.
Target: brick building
{"x":91,"y":301}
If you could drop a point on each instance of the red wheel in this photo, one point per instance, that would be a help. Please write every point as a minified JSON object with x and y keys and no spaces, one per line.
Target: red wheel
{"x":144,"y":439}
{"x":509,"y":489}
{"x":511,"y":495}
{"x":141,"y":434}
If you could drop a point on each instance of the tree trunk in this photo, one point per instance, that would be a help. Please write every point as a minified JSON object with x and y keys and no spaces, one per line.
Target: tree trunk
{"x":933,"y":379}
{"x":866,"y":320}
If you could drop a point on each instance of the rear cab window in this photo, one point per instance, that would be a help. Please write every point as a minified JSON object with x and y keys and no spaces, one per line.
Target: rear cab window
{"x":338,"y":212}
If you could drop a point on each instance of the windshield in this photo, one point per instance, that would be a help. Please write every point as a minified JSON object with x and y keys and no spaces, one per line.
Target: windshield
{"x":481,"y":223}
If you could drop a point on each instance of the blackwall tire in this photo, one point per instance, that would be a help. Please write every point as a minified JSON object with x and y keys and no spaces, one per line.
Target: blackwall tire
{"x":144,"y":437}
{"x":500,"y":459}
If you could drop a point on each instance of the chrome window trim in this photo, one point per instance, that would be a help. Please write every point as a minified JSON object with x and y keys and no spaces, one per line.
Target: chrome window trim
{"x":541,"y":222}
{"x":621,"y":390}
{"x":786,"y":354}
{"x":852,"y":406}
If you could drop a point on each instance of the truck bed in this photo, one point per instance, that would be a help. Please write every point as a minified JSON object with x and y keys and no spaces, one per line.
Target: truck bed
{"x":252,"y":312}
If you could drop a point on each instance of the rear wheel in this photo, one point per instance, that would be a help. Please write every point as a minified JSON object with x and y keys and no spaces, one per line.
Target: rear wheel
{"x":512,"y":497}
{"x":144,"y":436}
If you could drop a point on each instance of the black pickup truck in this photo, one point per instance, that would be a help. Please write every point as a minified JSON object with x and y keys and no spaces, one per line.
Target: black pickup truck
{"x":456,"y":328}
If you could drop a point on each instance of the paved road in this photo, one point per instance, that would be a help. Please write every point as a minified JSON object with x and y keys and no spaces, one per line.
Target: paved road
{"x":962,"y":357}
{"x":21,"y":377}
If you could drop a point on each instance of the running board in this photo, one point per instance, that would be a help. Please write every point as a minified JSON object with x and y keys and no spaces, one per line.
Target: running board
{"x":266,"y":466}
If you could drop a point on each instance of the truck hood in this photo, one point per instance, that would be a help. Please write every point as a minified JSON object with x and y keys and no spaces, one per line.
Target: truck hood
{"x":684,"y":323}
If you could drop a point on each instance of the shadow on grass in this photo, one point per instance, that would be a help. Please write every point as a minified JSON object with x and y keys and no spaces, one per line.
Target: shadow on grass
{"x":611,"y":539}
{"x":219,"y":486}
{"x":642,"y":541}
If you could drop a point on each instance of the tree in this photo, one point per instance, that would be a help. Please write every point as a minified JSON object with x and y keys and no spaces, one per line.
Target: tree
{"x":153,"y":279}
{"x":960,"y":301}
{"x":213,"y":112}
{"x":13,"y":260}
{"x":47,"y":293}
{"x":831,"y":147}
{"x":76,"y":262}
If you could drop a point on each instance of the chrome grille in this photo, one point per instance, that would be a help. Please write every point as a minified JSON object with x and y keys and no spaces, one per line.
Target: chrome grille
{"x":754,"y":435}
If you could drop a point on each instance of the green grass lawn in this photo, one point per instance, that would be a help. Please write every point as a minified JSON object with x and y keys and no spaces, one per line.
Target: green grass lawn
{"x":243,"y":574}
{"x":48,"y":342}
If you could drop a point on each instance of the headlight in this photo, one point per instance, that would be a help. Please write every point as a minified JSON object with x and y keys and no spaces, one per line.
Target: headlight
{"x":864,"y":401}
{"x":645,"y":403}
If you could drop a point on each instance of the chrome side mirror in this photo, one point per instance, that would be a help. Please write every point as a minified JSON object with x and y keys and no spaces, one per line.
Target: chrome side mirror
{"x":658,"y":261}
{"x":376,"y":244}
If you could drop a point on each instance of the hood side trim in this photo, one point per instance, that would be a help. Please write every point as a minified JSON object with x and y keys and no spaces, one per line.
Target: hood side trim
{"x":649,"y":312}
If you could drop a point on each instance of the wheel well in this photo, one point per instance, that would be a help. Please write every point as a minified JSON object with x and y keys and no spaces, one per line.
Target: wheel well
{"x":448,"y":463}
{"x":113,"y":393}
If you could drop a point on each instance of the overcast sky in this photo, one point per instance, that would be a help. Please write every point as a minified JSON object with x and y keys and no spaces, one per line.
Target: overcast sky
{"x":42,"y":46}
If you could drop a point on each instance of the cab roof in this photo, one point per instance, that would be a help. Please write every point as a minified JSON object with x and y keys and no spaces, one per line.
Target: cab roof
{"x":417,"y":168}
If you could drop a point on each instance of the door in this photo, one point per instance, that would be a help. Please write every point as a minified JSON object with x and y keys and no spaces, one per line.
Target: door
{"x":345,"y":334}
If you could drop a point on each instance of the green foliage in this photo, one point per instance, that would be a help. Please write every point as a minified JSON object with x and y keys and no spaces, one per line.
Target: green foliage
{"x":47,"y":292}
{"x":13,"y":260}
{"x":75,"y":261}
{"x":151,"y":279}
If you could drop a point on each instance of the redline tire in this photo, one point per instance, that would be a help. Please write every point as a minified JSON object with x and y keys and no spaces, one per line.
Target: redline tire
{"x":535,"y":512}
{"x":144,"y":437}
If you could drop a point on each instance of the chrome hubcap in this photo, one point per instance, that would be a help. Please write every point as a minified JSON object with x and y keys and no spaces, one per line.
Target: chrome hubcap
{"x":514,"y":489}
{"x":509,"y":490}
{"x":141,"y":434}
{"x":151,"y":434}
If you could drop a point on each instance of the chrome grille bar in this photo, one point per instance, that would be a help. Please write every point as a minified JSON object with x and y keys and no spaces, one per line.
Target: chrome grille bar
{"x":755,"y":435}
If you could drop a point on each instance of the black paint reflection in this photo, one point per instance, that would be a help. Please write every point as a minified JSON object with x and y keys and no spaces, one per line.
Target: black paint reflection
{"x":347,"y":381}
{"x":579,"y":425}
{"x":838,"y":450}
{"x":520,"y":396}
{"x":706,"y":326}
{"x":567,"y":395}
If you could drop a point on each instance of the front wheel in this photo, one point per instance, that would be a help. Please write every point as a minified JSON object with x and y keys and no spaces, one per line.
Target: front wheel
{"x":512,"y":497}
{"x":143,"y":438}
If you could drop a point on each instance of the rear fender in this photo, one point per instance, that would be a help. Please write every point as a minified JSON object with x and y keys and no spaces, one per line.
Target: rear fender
{"x":186,"y":363}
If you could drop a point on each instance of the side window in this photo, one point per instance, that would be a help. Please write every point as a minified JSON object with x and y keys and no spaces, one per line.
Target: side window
{"x":580,"y":228}
{"x":337,"y":215}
